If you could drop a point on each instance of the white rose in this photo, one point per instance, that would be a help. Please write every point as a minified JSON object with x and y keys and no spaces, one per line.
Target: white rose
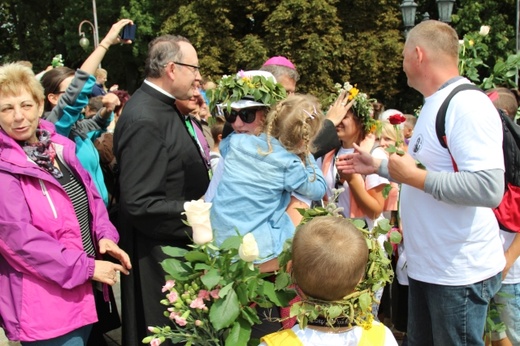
{"x":248,"y":250}
{"x":461,"y":42}
{"x":484,"y":30}
{"x":197,"y":213}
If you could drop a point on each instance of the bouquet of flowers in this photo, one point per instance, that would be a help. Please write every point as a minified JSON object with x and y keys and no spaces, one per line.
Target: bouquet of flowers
{"x":211,"y":292}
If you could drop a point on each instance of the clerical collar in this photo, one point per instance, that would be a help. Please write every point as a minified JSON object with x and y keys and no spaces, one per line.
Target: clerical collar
{"x":158,"y":88}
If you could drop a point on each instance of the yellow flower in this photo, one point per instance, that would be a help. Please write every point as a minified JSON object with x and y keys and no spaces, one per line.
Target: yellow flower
{"x":353,"y":93}
{"x":471,"y":43}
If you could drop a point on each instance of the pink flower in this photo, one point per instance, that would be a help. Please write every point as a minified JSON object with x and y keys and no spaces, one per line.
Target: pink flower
{"x":169,"y":285}
{"x":174,"y":315}
{"x":198,"y":323}
{"x":198,"y":303}
{"x":214,"y":293}
{"x":180,"y":321}
{"x":204,"y":294}
{"x":155,"y":342}
{"x":173,"y":296}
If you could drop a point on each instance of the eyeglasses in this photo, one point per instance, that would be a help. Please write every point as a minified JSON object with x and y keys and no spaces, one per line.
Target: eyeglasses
{"x":247,"y":115}
{"x":194,"y":67}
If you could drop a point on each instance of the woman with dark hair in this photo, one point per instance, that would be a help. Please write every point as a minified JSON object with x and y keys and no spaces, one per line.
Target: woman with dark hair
{"x":54,"y":227}
{"x":67,"y":93}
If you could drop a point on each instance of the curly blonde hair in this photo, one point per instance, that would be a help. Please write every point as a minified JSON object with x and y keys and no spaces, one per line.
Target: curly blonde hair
{"x":294,"y":122}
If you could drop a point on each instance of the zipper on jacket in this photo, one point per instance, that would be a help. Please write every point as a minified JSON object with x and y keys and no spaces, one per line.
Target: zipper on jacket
{"x":46,"y":194}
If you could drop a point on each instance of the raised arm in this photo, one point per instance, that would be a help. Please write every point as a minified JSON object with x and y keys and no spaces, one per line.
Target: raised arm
{"x":92,"y":63}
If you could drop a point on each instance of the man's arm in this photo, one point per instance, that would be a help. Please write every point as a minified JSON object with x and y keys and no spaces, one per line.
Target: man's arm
{"x":482,"y":188}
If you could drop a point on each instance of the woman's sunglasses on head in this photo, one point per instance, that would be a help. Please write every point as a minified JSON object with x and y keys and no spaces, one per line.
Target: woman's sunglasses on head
{"x":247,"y":115}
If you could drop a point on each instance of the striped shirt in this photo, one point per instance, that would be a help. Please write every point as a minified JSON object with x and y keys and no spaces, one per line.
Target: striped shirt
{"x":78,"y":196}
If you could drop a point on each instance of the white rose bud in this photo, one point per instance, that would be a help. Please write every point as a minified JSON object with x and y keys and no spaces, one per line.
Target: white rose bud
{"x":484,"y":30}
{"x":461,"y":42}
{"x":197,"y":213}
{"x":248,"y":250}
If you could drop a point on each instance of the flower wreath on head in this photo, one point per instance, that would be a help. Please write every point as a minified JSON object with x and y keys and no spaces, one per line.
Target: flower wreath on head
{"x":235,"y":88}
{"x":362,"y":106}
{"x":354,"y":309}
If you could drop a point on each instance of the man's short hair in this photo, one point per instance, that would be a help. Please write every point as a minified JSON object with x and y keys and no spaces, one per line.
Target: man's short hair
{"x":161,"y":51}
{"x":329,"y":257}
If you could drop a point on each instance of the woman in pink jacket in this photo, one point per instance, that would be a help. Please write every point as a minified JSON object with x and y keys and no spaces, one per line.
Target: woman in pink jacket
{"x":53,"y":224}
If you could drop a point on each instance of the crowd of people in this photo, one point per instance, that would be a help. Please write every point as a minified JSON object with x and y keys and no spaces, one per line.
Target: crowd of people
{"x":77,"y":158}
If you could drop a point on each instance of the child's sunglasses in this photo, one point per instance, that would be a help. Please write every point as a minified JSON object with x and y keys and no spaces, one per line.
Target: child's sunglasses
{"x":247,"y":115}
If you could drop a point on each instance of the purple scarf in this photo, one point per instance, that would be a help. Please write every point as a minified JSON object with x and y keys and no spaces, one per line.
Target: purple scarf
{"x":43,"y":153}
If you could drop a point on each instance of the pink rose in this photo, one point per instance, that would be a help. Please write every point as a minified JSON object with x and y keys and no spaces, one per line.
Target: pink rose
{"x":168,"y":286}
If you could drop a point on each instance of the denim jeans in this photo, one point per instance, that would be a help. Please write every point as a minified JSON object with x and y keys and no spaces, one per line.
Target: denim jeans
{"x":449,"y":315}
{"x":509,"y":309}
{"x":77,"y":337}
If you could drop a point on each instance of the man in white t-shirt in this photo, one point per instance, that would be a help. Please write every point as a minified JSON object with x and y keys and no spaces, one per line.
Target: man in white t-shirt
{"x":454,"y":251}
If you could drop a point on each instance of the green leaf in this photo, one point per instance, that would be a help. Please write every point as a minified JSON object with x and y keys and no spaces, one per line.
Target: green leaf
{"x":196,"y":256}
{"x":358,"y":223}
{"x":250,"y":314}
{"x":241,"y":291}
{"x":396,"y":237}
{"x":239,"y":334}
{"x":231,"y":243}
{"x":201,"y":267}
{"x":386,"y":190}
{"x":283,"y":280}
{"x":174,"y":251}
{"x":224,"y":291}
{"x":211,"y":278}
{"x":279,"y":298}
{"x":365,"y":301}
{"x":178,"y":270}
{"x":251,"y":288}
{"x":388,"y":247}
{"x":224,"y":311}
{"x":335,"y":311}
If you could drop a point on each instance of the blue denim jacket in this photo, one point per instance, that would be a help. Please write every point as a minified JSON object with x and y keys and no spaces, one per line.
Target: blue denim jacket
{"x":255,"y":189}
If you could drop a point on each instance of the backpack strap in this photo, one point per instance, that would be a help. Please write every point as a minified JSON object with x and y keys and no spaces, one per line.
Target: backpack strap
{"x":440,"y":121}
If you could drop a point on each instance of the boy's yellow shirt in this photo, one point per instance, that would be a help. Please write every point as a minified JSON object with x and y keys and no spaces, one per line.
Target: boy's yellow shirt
{"x":371,"y":337}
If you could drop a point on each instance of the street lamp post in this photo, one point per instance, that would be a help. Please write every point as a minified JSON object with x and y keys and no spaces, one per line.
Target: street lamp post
{"x":83,"y":41}
{"x":409,"y":11}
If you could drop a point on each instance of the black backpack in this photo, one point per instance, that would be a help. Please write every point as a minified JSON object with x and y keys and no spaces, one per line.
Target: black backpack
{"x":508,"y":212}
